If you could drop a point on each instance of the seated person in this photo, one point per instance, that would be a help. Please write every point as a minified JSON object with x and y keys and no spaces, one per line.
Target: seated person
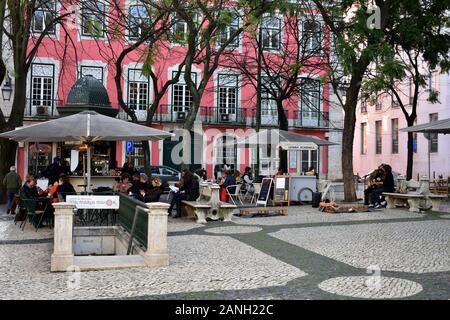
{"x":229,"y":180}
{"x":64,"y":187}
{"x":247,"y":179}
{"x":30,"y":189}
{"x":189,"y":190}
{"x":374,"y":181}
{"x":152,"y":194}
{"x":387,"y":186}
{"x":124,"y":184}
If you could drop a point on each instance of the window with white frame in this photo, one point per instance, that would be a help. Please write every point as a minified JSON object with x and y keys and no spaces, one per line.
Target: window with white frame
{"x":42,"y":84}
{"x":93,"y":18}
{"x":138,"y":22}
{"x":434,"y":140}
{"x":310,"y":98}
{"x":138,"y":90}
{"x":268,"y":100}
{"x":179,"y":29}
{"x":43,"y":17}
{"x":181,"y":96}
{"x":271,"y":33}
{"x":229,"y":31}
{"x":96,"y":72}
{"x":227,"y":93}
{"x":312,"y":36}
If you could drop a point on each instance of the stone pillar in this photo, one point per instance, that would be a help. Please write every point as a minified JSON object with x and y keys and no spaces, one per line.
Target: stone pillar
{"x":424,"y":188}
{"x":62,"y":256}
{"x":156,"y":254}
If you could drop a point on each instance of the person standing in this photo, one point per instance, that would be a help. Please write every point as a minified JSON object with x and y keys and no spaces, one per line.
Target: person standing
{"x":53,"y":171}
{"x":12,"y":181}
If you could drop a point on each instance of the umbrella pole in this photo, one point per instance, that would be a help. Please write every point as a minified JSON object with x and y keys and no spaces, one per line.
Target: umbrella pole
{"x":89,"y":168}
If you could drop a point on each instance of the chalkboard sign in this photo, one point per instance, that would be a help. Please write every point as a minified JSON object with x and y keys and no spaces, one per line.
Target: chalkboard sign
{"x":264,"y":194}
{"x":281,"y":190}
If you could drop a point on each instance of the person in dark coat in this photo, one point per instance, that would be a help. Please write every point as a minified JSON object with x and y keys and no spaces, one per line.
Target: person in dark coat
{"x":128,"y":168}
{"x":189,"y":191}
{"x":151,"y":194}
{"x":64,"y":187}
{"x":12,"y":182}
{"x":53,"y":171}
{"x":388,"y":186}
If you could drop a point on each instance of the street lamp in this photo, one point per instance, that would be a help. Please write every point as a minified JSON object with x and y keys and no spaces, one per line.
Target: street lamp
{"x":7,"y":89}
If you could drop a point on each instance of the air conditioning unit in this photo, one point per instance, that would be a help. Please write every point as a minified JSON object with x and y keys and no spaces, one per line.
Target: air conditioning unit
{"x":181,"y":115}
{"x":224,"y":118}
{"x":41,"y":111}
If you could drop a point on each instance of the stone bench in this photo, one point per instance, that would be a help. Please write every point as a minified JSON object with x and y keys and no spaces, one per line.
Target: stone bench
{"x":201,"y":211}
{"x":412,"y":200}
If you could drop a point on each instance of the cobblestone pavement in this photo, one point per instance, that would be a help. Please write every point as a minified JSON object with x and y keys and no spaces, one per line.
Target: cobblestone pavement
{"x":389,"y":254}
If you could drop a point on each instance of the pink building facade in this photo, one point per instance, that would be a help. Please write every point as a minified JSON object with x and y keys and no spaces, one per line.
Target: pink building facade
{"x":227,"y":108}
{"x":378,"y":139}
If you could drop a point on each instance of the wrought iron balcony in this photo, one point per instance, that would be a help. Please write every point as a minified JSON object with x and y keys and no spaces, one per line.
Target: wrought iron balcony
{"x":311,"y":119}
{"x":42,"y":108}
{"x":240,"y":117}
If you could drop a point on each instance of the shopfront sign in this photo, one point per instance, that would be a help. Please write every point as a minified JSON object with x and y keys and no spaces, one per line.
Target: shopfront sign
{"x":292,"y":146}
{"x":94,"y":202}
{"x":129,"y":147}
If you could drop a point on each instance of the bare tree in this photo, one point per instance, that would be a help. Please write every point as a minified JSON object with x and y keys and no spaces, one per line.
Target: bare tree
{"x":17,"y":18}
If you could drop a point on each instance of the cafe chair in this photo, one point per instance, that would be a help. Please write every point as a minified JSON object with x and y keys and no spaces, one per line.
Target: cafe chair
{"x":235,"y":196}
{"x":34,"y":215}
{"x":256,"y":191}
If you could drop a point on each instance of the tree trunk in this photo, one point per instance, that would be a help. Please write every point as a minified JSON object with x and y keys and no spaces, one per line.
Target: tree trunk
{"x":347,"y":155}
{"x":284,"y":125}
{"x":147,"y":158}
{"x":7,"y":159}
{"x":410,"y":157}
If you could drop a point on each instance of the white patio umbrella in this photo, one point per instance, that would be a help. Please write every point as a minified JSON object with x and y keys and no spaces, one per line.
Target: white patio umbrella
{"x":87,"y":127}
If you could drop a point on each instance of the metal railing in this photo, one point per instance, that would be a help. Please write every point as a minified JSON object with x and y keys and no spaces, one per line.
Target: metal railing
{"x":311,"y":119}
{"x":240,"y":117}
{"x":42,"y":108}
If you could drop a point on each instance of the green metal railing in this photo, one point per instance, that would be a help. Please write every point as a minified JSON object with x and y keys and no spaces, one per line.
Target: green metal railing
{"x":126,"y":217}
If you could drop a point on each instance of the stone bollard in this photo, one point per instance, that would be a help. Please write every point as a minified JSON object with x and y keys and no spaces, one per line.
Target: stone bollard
{"x":156,"y":254}
{"x":424,"y":186}
{"x":62,"y":256}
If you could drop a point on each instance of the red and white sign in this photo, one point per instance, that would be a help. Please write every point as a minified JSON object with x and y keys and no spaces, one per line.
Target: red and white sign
{"x":94,"y":202}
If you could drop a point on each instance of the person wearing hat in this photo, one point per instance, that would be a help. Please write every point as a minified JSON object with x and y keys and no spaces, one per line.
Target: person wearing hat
{"x":53,"y":171}
{"x":12,"y":181}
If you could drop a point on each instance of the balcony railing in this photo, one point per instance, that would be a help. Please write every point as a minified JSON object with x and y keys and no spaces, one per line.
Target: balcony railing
{"x":42,"y":108}
{"x":240,"y":117}
{"x":311,"y":119}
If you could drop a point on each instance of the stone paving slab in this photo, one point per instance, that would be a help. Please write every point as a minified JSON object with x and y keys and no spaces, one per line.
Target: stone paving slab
{"x":197,"y":263}
{"x":415,"y":247}
{"x":10,"y":231}
{"x":307,"y":214}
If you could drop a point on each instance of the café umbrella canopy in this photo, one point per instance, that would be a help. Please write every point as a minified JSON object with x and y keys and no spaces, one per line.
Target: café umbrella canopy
{"x":284,"y":139}
{"x":434,"y":127}
{"x":87,"y":127}
{"x":275,"y":138}
{"x":440,"y":126}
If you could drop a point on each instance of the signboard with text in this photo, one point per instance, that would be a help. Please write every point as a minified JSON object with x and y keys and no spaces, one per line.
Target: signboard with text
{"x":94,"y":202}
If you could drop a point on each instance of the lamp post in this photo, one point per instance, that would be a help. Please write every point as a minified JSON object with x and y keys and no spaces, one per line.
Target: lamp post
{"x":7,"y":89}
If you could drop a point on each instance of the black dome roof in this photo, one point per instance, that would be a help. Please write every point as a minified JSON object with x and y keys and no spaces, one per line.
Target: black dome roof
{"x":88,"y":91}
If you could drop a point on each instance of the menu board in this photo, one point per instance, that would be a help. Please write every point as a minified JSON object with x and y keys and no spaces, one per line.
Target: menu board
{"x":282,"y":188}
{"x":264,"y":194}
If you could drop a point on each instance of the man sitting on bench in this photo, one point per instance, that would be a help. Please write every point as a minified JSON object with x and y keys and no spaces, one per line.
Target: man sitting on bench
{"x":388,"y":186}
